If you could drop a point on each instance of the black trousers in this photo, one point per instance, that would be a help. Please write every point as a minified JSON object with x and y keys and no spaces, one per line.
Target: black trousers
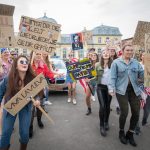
{"x":134,"y":102}
{"x":104,"y":102}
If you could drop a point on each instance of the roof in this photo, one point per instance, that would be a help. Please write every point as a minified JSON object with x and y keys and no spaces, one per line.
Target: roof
{"x":106,"y":30}
{"x":45,"y":18}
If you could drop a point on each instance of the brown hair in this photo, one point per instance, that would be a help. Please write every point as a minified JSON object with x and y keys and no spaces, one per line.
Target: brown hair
{"x":13,"y":86}
{"x":125,"y":45}
{"x":102,"y":62}
{"x":97,"y":59}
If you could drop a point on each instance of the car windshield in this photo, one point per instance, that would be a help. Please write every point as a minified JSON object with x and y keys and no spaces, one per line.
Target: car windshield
{"x":58,"y":64}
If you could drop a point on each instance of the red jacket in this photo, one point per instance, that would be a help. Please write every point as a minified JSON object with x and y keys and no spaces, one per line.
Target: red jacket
{"x":43,"y":69}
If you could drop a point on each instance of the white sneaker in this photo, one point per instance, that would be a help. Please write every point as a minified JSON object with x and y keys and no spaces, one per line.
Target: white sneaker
{"x":69,"y":100}
{"x":93,"y":98}
{"x":74,"y":101}
{"x":47,"y":103}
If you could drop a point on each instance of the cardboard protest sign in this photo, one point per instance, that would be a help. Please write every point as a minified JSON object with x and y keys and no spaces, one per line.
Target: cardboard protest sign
{"x":77,"y":41}
{"x":147,"y":44}
{"x":17,"y":102}
{"x":139,"y":36}
{"x":147,"y":70}
{"x":81,"y":69}
{"x":35,"y":35}
{"x":6,"y":26}
{"x":87,"y":37}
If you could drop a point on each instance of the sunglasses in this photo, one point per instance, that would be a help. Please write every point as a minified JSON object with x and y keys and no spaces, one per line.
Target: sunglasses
{"x":23,"y":62}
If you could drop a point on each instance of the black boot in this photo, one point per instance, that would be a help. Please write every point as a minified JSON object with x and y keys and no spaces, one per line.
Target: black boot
{"x":40,"y":123}
{"x":31,"y":131}
{"x":23,"y":146}
{"x":103,"y":131}
{"x":106,"y":125}
{"x":122,"y":137}
{"x":129,"y":136}
{"x":144,"y":122}
{"x":89,"y":111}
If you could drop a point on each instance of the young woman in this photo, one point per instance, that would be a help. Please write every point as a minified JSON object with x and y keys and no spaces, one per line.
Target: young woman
{"x":20,"y":75}
{"x":39,"y":66}
{"x":71,"y":83}
{"x":5,"y":63}
{"x":91,"y":84}
{"x":103,"y":74}
{"x":125,"y":73}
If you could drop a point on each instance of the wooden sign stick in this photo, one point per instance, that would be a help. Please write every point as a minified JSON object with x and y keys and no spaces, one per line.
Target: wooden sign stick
{"x":42,"y":110}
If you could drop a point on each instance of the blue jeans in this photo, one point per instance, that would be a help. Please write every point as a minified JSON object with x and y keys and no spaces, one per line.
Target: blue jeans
{"x":8,"y":124}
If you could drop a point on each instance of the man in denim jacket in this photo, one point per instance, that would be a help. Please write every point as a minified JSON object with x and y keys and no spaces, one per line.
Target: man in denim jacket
{"x":124,"y":82}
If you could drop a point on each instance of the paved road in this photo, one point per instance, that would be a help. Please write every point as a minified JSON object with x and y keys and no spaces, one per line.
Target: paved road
{"x":73,"y":130}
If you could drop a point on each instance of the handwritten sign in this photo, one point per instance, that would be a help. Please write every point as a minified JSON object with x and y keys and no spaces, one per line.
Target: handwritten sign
{"x":17,"y":102}
{"x":81,"y":69}
{"x":147,"y":43}
{"x":7,"y":39}
{"x":139,"y":36}
{"x":37,"y":35}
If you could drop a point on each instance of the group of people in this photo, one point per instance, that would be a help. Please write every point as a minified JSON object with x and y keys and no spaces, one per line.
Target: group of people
{"x":116,"y":77}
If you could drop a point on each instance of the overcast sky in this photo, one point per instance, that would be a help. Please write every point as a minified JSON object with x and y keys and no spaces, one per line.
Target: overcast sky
{"x":74,"y":15}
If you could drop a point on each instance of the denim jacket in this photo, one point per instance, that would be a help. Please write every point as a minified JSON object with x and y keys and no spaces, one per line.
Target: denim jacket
{"x":122,"y":74}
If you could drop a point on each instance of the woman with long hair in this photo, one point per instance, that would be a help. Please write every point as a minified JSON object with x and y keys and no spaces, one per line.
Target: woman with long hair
{"x":39,"y":66}
{"x":91,"y":84}
{"x":20,"y":75}
{"x":103,"y":73}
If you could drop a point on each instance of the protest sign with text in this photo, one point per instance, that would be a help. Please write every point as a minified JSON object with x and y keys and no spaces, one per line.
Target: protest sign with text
{"x":81,"y":69}
{"x":37,"y":35}
{"x":6,"y":26}
{"x":22,"y":98}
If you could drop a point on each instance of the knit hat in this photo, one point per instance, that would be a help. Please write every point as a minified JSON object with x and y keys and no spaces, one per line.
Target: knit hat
{"x":3,"y":49}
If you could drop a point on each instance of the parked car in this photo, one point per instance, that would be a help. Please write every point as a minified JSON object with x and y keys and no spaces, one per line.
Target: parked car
{"x":60,"y":83}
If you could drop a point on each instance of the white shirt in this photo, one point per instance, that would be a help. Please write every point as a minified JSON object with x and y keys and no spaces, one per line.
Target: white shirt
{"x":105,"y":76}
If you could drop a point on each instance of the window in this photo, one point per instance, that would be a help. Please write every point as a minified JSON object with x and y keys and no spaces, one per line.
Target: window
{"x":99,"y":40}
{"x":64,"y":53}
{"x":107,"y":40}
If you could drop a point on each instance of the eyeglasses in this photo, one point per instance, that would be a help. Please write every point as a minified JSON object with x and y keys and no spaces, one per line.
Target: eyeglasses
{"x":23,"y":62}
{"x":70,"y":55}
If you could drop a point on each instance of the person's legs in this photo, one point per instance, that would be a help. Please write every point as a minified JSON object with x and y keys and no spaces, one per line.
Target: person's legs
{"x":7,"y":128}
{"x":88,"y":101}
{"x":123,"y":103}
{"x":24,"y":124}
{"x":101,"y":94}
{"x":31,"y":124}
{"x":46,"y":93}
{"x":108,"y":102}
{"x":135,"y":110}
{"x":74,"y":93}
{"x":146,"y":111}
{"x":69,"y":92}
